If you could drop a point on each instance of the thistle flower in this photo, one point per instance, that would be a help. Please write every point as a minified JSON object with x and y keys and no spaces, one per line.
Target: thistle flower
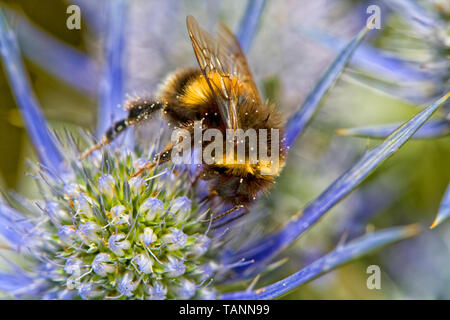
{"x":97,"y":233}
{"x":128,"y":244}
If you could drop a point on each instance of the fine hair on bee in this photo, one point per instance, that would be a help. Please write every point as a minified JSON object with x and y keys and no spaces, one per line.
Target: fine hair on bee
{"x":221,"y":94}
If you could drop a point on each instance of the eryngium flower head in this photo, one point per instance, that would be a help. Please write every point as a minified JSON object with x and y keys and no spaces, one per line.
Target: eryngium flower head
{"x":103,"y":234}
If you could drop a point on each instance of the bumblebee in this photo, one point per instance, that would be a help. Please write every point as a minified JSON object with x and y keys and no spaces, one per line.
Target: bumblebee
{"x":222,"y":94}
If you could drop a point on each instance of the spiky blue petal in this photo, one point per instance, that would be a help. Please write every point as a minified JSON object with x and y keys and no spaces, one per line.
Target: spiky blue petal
{"x":339,"y":256}
{"x":18,"y":284}
{"x":11,"y":283}
{"x":249,"y":23}
{"x":14,"y":227}
{"x":373,"y":60}
{"x":111,"y":85}
{"x":430,"y":130}
{"x":35,"y":123}
{"x":444,"y":210}
{"x":264,"y":249}
{"x":300,"y":119}
{"x":64,"y":62}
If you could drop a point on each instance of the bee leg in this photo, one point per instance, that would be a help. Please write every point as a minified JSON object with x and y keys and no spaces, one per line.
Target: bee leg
{"x":223,"y":214}
{"x":161,"y":158}
{"x":138,"y":110}
{"x":109,"y":136}
{"x":227,"y":213}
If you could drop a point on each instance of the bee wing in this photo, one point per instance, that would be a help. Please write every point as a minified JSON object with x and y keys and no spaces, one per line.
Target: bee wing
{"x":239,"y":66}
{"x":224,"y":56}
